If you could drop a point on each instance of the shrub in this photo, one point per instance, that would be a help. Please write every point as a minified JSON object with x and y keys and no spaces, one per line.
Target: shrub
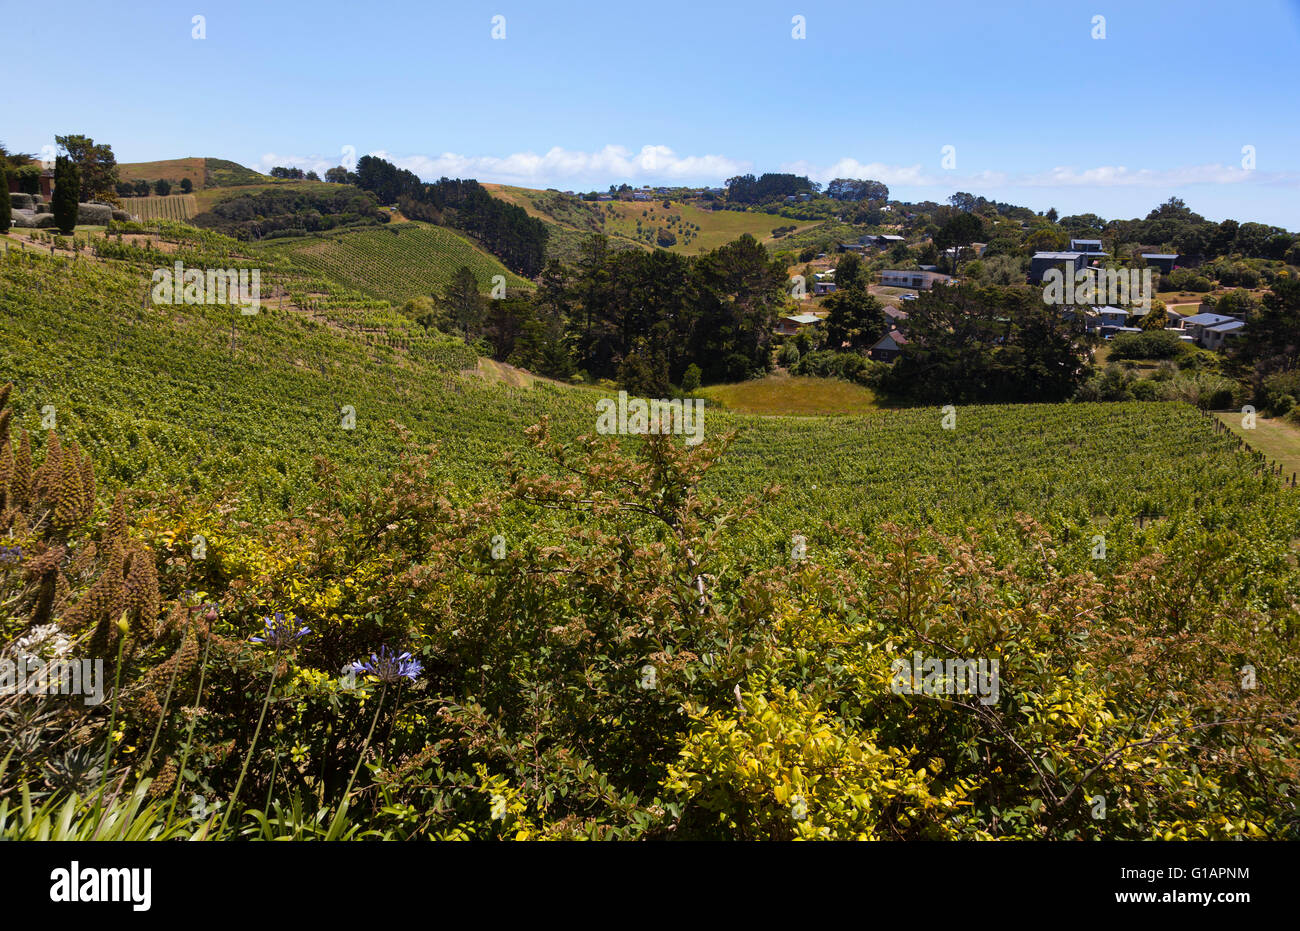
{"x":1150,"y":344}
{"x":1280,"y":392}
{"x":6,"y":214}
{"x":94,"y":214}
{"x":1204,"y":390}
{"x":691,"y":379}
{"x":847,"y":365}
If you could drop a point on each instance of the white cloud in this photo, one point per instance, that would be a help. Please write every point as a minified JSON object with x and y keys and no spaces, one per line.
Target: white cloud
{"x":1102,"y":176}
{"x":659,"y":163}
{"x":316,"y":163}
{"x":612,"y":163}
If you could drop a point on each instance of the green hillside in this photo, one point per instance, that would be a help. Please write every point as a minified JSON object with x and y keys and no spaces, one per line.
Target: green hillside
{"x":604,"y":650}
{"x":218,"y":172}
{"x":394,"y":262}
{"x":202,"y":172}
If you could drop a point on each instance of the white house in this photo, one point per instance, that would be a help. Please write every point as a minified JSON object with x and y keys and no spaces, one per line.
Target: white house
{"x":1216,"y":337}
{"x":917,"y":280}
{"x":1213,"y":330}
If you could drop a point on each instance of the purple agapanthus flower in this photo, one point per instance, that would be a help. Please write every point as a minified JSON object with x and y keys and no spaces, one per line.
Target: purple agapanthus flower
{"x":387,"y":666}
{"x":281,"y":633}
{"x":11,"y":553}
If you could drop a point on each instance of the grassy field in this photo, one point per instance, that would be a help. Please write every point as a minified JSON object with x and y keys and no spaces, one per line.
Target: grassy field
{"x":716,"y":227}
{"x":618,"y":220}
{"x":1277,"y":439}
{"x":172,"y":169}
{"x":393,"y":263}
{"x":793,"y":395}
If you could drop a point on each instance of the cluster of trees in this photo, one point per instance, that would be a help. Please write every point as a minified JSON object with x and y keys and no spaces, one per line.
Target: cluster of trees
{"x":988,"y":345}
{"x":95,"y":164}
{"x":162,"y":187}
{"x":746,"y":189}
{"x":256,"y":216}
{"x":1196,"y":238}
{"x":857,"y":189}
{"x":641,"y":318}
{"x":505,"y":230}
{"x":293,"y":174}
{"x":96,"y":167}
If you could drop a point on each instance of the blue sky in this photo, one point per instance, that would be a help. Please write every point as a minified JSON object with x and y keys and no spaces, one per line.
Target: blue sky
{"x":580,"y":95}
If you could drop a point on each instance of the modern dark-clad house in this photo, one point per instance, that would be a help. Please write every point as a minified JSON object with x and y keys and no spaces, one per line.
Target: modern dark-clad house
{"x":1161,"y":261}
{"x":1042,"y":261}
{"x":1091,"y":246}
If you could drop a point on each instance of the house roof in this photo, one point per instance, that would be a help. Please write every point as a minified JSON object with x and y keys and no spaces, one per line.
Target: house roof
{"x":1207,"y":320}
{"x":892,"y":337}
{"x":912,"y":272}
{"x":1058,"y":255}
{"x":1226,"y":327}
{"x":1085,"y":242}
{"x":1158,"y":255}
{"x":1112,"y":310}
{"x":802,"y":319}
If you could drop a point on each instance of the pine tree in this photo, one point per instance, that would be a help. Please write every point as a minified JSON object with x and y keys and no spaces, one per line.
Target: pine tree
{"x":67,"y":185}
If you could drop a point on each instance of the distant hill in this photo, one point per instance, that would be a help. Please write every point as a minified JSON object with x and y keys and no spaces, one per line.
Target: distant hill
{"x":202,"y":172}
{"x":688,"y":229}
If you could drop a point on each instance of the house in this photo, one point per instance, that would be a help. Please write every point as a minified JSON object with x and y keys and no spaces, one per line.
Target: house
{"x":1213,"y":330}
{"x":640,"y":195}
{"x":954,"y":252}
{"x":788,"y":326}
{"x":1217,"y":337}
{"x":824,"y":287}
{"x":917,"y":280}
{"x":1108,"y":318}
{"x":1091,"y":246}
{"x":889,"y":347}
{"x":886,"y":241}
{"x":1042,"y":261}
{"x":1161,"y":261}
{"x":46,"y":182}
{"x":851,"y":247}
{"x":895,"y":317}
